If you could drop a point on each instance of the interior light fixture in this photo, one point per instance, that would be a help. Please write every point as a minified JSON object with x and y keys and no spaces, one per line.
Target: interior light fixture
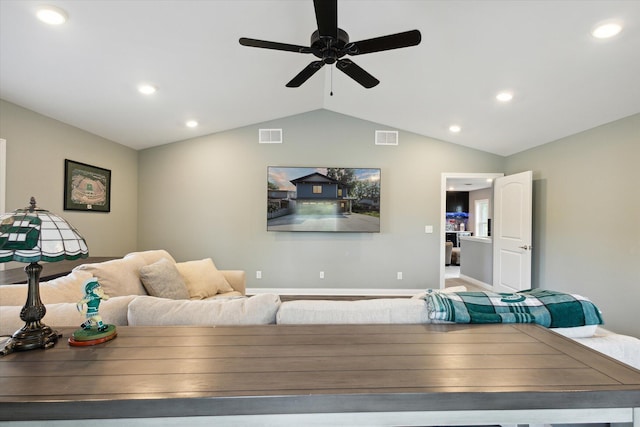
{"x":191,"y":124}
{"x":605,"y":30}
{"x":31,"y":235}
{"x":504,"y":96}
{"x":147,"y":89}
{"x":52,"y":15}
{"x":455,"y":128}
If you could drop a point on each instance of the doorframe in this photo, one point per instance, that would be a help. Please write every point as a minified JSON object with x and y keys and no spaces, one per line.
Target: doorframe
{"x":3,"y":179}
{"x":443,"y":207}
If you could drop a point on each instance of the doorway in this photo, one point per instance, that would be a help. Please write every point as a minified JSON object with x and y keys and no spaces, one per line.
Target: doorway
{"x":3,"y":180}
{"x":458,"y":182}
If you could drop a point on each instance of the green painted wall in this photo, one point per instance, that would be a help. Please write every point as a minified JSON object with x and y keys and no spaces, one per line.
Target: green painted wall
{"x":36,"y":149}
{"x":587,"y":217}
{"x":206,"y":197}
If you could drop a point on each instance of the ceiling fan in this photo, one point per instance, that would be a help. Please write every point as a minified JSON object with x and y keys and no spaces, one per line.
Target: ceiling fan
{"x":331,"y":44}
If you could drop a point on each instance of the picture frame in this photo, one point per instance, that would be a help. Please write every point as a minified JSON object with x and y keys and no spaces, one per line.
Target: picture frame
{"x":323,"y":199}
{"x":86,"y":187}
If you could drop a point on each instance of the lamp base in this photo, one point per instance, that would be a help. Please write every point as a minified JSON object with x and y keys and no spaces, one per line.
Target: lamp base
{"x":30,"y":338}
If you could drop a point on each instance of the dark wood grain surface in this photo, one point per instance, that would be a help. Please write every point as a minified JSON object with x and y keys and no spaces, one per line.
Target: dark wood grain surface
{"x":184,"y":371}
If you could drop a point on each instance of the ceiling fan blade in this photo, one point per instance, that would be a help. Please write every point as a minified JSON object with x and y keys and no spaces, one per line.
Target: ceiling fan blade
{"x":358,"y":74}
{"x":377,"y":44}
{"x":305,"y":74}
{"x":273,"y":45}
{"x":326,"y":17}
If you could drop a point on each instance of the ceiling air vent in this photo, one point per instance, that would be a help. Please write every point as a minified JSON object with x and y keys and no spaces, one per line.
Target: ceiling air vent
{"x":270,"y":136}
{"x":386,"y":137}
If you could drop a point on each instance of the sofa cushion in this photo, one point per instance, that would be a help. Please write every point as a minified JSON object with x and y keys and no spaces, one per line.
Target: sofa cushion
{"x":622,"y":347}
{"x":162,"y":279}
{"x":152,"y":256}
{"x":113,"y":311}
{"x":118,"y":277}
{"x":379,"y":310}
{"x":255,"y":310}
{"x":577,"y":331}
{"x":203,"y":279}
{"x":63,"y":289}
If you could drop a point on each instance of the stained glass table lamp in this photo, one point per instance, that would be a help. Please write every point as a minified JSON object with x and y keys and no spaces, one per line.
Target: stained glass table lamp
{"x":31,"y":235}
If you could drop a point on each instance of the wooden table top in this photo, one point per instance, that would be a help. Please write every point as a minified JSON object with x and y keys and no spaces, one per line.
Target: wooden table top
{"x":207,"y":371}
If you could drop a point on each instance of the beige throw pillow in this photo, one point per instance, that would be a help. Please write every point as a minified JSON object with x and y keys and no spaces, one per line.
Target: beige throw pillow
{"x":162,"y":279}
{"x":202,"y":278}
{"x":117,"y":277}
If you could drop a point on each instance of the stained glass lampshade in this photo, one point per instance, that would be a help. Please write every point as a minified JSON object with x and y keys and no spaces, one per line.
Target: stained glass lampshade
{"x":31,"y":235}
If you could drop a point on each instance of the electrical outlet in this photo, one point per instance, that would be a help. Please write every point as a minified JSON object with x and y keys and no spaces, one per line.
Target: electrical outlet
{"x":399,"y":275}
{"x":322,"y":274}
{"x":428,"y":229}
{"x":258,"y":274}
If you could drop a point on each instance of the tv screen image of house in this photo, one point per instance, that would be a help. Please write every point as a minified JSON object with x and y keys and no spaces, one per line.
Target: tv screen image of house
{"x":323,"y":199}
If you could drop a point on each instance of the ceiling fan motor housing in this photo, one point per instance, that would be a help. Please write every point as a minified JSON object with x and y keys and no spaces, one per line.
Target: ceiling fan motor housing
{"x":329,"y":44}
{"x":329,"y":48}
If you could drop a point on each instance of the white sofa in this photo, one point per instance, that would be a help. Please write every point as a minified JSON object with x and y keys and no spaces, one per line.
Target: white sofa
{"x":151,"y":289}
{"x":143,"y":275}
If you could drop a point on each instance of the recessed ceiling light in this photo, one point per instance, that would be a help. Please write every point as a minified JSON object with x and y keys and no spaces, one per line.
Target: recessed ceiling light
{"x":191,"y":124}
{"x":606,"y":30}
{"x":455,"y":128}
{"x":147,"y":89}
{"x":504,"y":96}
{"x":52,"y":15}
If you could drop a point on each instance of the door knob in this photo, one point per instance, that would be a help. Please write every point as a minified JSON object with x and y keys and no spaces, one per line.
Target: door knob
{"x":526,"y":247}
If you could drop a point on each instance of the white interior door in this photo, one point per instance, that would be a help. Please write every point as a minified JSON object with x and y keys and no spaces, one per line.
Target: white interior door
{"x":512,"y":235}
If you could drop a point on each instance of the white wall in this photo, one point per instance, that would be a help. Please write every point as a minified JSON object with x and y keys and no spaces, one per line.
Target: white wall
{"x":36,"y":149}
{"x":485,"y":193}
{"x":206,"y":197}
{"x":586,"y":217}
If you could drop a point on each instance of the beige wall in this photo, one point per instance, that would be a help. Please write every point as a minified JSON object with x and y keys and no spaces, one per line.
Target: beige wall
{"x":36,"y":149}
{"x":586,"y":217}
{"x":207,"y":197}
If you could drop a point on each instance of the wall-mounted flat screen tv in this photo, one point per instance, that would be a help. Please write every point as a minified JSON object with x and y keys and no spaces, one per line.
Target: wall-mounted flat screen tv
{"x":323,"y":199}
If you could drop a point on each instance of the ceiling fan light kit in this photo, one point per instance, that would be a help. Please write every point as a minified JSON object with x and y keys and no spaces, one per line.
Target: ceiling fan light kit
{"x":330,"y":44}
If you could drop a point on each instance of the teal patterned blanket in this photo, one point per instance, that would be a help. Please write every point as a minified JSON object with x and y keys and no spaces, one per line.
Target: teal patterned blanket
{"x":544,"y":307}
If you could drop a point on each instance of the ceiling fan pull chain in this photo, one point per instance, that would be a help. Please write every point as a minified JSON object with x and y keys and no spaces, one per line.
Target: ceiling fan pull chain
{"x":331,"y":92}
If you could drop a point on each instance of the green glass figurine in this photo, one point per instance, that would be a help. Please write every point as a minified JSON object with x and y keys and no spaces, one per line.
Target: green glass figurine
{"x":90,"y":304}
{"x":94,"y":330}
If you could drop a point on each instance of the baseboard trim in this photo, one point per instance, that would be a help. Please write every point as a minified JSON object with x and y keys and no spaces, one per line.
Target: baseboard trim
{"x":334,"y":291}
{"x":476,"y":282}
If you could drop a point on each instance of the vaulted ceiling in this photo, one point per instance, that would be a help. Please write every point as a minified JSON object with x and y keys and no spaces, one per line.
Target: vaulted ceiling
{"x":86,"y":71}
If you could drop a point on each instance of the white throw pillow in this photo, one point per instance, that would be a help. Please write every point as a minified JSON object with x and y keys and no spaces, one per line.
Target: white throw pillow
{"x":203,"y":279}
{"x":162,"y":279}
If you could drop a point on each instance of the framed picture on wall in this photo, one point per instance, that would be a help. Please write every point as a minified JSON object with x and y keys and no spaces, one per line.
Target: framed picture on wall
{"x":325,"y":199}
{"x":86,"y":187}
